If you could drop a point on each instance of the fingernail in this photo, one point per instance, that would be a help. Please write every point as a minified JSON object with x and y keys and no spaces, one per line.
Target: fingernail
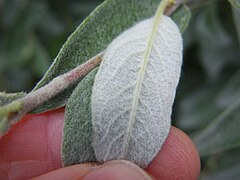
{"x":116,"y":170}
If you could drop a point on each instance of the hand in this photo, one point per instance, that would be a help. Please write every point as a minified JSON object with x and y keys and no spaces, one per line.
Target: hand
{"x":33,"y":147}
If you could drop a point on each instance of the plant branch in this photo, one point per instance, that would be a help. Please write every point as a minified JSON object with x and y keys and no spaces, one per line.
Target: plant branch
{"x":35,"y":98}
{"x":58,"y":84}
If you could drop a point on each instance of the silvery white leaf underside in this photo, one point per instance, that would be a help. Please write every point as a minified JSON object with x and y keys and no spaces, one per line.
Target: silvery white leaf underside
{"x":131,"y":120}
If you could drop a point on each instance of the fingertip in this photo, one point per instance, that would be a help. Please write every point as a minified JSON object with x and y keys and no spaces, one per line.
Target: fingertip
{"x":178,"y":158}
{"x":70,"y":172}
{"x":114,"y":170}
{"x":118,"y":170}
{"x":32,"y":146}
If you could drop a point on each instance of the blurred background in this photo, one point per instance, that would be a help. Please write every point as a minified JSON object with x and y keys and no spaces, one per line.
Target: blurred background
{"x":32,"y":32}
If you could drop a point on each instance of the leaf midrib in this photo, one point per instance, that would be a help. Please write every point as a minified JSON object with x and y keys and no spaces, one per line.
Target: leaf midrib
{"x":141,"y":72}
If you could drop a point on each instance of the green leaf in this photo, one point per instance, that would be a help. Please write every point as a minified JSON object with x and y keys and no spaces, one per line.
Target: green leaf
{"x":6,"y":98}
{"x":194,"y":108}
{"x":232,"y":173}
{"x":230,"y":91}
{"x":194,"y":111}
{"x":8,"y":105}
{"x":95,"y":33}
{"x":217,"y":46}
{"x":235,"y":3}
{"x":236,"y":16}
{"x":182,"y":17}
{"x":77,"y":137}
{"x":223,"y":166}
{"x":222,"y":134}
{"x":6,"y":112}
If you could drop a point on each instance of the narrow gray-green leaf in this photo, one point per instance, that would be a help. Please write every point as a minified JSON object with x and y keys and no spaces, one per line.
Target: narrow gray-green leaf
{"x":231,"y":173}
{"x":77,"y":140}
{"x":236,"y":16}
{"x":182,"y":17}
{"x":133,"y":93}
{"x":216,"y":44}
{"x":92,"y":36}
{"x":6,"y":98}
{"x":223,"y":166}
{"x":194,"y":108}
{"x":222,"y":134}
{"x":235,"y":3}
{"x":230,"y":91}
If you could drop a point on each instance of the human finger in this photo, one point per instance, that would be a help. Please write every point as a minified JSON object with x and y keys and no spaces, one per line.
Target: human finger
{"x":33,"y":147}
{"x":178,"y":158}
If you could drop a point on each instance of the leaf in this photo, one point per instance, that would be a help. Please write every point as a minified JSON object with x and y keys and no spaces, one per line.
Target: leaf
{"x":134,"y":92}
{"x":95,"y":33}
{"x":222,"y":134}
{"x":232,"y":173}
{"x":77,"y":140}
{"x":194,"y":107}
{"x":236,"y":16}
{"x":6,"y":111}
{"x":194,"y":111}
{"x":69,"y":155}
{"x":235,"y":3}
{"x":223,"y":166}
{"x":182,"y":17}
{"x":230,"y":92}
{"x":217,"y":45}
{"x":6,"y":98}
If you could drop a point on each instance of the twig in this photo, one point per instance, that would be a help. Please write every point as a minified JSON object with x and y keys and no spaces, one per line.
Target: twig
{"x":57,"y":85}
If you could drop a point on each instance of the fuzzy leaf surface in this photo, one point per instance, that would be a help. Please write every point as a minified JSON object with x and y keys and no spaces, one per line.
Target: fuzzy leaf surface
{"x":77,"y":140}
{"x":94,"y":34}
{"x":71,"y":153}
{"x":6,"y":98}
{"x":133,"y":94}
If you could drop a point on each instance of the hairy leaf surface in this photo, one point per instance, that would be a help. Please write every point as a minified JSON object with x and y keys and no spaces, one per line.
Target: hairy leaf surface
{"x":133,"y":94}
{"x":77,"y":139}
{"x":6,"y":98}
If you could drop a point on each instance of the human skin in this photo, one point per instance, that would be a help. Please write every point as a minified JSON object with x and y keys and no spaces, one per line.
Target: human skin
{"x":32,"y":148}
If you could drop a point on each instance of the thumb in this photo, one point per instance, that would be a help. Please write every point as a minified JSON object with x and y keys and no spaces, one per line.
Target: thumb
{"x":118,"y":170}
{"x":114,"y":170}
